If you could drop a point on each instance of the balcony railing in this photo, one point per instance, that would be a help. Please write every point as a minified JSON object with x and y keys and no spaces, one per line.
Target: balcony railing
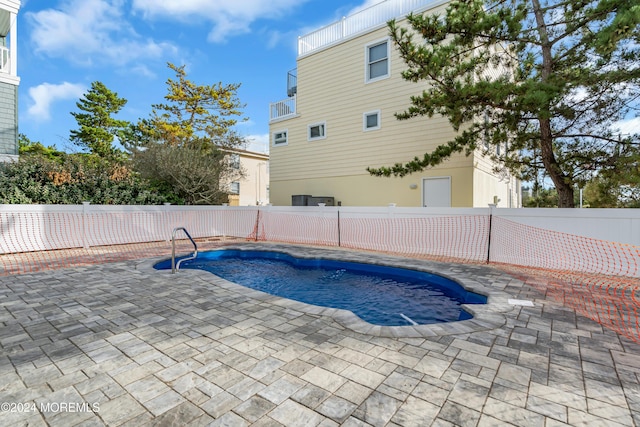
{"x":360,"y":22}
{"x":5,"y":65}
{"x":292,"y":82}
{"x":282,"y":109}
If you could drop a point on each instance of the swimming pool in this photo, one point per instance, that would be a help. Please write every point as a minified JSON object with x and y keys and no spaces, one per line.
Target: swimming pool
{"x":380,"y":295}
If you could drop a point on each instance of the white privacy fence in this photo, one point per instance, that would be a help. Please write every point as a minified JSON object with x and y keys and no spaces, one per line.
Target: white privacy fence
{"x":27,"y":228}
{"x":595,"y":240}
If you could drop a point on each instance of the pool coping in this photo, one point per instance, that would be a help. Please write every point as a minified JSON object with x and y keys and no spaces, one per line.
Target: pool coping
{"x":485,"y":316}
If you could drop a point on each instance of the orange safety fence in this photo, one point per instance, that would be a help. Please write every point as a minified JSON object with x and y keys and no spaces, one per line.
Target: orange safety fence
{"x":612,"y":301}
{"x":297,"y":227}
{"x":32,"y":262}
{"x":58,"y":236}
{"x":597,"y":278}
{"x":520,"y":244}
{"x":40,"y":231}
{"x":461,"y":238}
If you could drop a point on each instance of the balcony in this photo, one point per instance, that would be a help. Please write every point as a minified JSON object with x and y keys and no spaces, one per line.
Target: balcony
{"x":282,"y":109}
{"x":361,"y":22}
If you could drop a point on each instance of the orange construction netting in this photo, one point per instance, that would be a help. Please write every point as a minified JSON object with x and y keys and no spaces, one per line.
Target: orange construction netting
{"x":598,"y":279}
{"x":612,"y":301}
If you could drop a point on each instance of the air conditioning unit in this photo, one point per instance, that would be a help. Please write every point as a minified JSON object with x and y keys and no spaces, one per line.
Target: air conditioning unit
{"x":300,"y":199}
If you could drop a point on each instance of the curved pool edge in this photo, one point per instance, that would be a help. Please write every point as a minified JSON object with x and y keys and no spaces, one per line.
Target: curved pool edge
{"x":485,"y":316}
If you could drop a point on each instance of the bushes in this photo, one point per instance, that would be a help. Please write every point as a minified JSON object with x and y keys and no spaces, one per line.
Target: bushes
{"x":74,"y":178}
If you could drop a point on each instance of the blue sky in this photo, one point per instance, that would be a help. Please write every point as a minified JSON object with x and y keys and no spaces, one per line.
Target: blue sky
{"x":65,"y":45}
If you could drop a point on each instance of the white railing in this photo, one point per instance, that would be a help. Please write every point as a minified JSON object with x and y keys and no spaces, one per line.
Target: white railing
{"x":282,"y":109}
{"x":5,"y":65}
{"x":360,"y":22}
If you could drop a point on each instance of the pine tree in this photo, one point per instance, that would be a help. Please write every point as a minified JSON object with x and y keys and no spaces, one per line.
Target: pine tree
{"x":197,"y":116}
{"x":185,"y":143}
{"x":549,"y":79}
{"x":97,"y":128}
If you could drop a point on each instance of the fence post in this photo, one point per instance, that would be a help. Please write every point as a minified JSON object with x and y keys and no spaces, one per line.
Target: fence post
{"x":339,"y":243}
{"x":391,"y":210}
{"x":165,"y":220}
{"x":257,"y":228}
{"x":492,"y":206}
{"x":85,"y":225}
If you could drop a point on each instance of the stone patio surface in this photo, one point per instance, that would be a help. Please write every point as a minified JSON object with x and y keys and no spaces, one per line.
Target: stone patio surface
{"x":123,"y":344}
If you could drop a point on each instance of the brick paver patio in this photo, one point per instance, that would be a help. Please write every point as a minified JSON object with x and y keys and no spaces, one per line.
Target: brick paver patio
{"x":123,"y":344}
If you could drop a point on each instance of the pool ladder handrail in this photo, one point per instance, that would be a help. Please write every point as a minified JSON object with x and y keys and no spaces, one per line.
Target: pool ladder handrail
{"x":176,"y":266}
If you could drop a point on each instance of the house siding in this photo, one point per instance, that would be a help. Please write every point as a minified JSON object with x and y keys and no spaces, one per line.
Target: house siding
{"x":254,"y":182}
{"x":332,"y":89}
{"x":8,"y":119}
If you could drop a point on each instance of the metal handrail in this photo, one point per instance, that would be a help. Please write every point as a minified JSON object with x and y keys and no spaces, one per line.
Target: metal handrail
{"x":175,"y":267}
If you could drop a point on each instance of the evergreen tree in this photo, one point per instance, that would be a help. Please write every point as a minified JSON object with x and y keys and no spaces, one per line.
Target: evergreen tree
{"x":97,"y":128}
{"x":197,"y":116}
{"x":185,"y":143}
{"x":547,"y":79}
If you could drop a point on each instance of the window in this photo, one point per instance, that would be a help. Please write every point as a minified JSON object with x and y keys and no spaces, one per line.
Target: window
{"x":281,"y":137}
{"x":234,"y":161}
{"x":316,"y":131}
{"x":371,"y":120}
{"x":234,"y":187}
{"x":485,"y":133}
{"x":377,"y":61}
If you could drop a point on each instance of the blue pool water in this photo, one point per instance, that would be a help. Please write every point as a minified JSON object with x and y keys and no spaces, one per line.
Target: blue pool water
{"x":387,"y":296}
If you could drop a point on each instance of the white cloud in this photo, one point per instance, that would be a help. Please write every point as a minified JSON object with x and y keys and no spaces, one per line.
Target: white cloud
{"x":44,"y":95}
{"x":628,"y":126}
{"x":365,"y":5}
{"x":258,"y":143}
{"x":229,"y":17}
{"x":91,"y":31}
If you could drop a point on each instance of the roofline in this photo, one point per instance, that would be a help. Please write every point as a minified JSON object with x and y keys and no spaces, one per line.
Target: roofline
{"x":264,"y":156}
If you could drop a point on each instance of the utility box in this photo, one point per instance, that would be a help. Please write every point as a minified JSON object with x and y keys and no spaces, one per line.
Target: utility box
{"x":300,"y":199}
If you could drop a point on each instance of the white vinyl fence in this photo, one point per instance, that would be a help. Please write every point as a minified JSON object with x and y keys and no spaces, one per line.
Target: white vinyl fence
{"x":589,"y":240}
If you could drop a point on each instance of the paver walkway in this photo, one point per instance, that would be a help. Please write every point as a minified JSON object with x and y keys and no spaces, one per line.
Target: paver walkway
{"x":122,"y":344}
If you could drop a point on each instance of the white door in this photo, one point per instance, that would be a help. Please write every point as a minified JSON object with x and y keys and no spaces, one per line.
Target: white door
{"x":436,"y":192}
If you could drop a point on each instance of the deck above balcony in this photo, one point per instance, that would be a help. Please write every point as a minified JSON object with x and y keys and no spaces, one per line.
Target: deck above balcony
{"x":361,"y":22}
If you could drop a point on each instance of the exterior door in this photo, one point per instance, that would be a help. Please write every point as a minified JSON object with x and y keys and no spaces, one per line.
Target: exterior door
{"x":436,"y":192}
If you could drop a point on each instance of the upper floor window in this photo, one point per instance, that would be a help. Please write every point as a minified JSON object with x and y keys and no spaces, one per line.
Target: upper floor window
{"x":371,"y":120}
{"x":234,"y":161}
{"x":317,"y":131}
{"x":281,"y":137}
{"x":377,"y":61}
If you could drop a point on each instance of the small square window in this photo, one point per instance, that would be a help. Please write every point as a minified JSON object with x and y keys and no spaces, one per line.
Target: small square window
{"x":281,"y":137}
{"x":371,"y":120}
{"x":317,"y":131}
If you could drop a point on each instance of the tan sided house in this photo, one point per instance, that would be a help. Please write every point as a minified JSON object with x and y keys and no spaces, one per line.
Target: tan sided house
{"x":253,"y":188}
{"x":339,"y":119}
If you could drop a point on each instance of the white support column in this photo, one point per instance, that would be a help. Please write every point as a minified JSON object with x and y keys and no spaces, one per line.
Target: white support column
{"x":13,"y":44}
